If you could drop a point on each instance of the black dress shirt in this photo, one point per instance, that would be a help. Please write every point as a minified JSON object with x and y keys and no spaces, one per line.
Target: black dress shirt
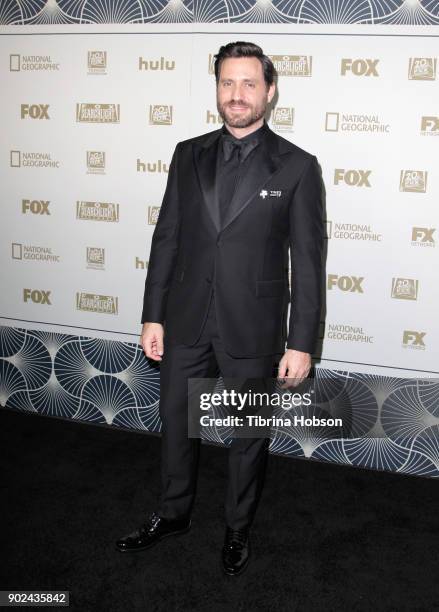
{"x":234,"y":156}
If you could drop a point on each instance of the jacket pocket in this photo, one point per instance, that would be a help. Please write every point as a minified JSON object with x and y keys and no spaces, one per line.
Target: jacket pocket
{"x":270,"y":288}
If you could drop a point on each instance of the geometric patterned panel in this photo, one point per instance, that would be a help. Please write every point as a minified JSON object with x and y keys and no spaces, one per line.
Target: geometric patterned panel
{"x":367,"y":12}
{"x":393,"y":423}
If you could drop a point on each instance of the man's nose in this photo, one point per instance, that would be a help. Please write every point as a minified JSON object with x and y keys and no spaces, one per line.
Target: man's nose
{"x":237,"y":91}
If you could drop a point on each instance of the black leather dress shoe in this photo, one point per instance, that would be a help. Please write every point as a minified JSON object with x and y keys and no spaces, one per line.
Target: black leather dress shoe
{"x":236,"y":551}
{"x":155,"y":529}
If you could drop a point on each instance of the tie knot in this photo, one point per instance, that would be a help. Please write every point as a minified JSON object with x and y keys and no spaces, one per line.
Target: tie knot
{"x":231,"y":147}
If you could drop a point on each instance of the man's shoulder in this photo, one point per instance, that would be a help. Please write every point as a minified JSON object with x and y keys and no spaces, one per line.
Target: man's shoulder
{"x":201,"y":140}
{"x":286,"y":146}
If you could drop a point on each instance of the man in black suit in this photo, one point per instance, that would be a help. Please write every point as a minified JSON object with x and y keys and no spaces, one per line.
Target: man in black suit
{"x":217,"y":292}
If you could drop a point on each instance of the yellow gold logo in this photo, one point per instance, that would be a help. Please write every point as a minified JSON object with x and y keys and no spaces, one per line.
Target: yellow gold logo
{"x":97,"y":113}
{"x":422,"y":69}
{"x":97,"y":211}
{"x":92,"y":302}
{"x":413,"y":181}
{"x":153,"y":214}
{"x":160,"y":114}
{"x":292,"y":65}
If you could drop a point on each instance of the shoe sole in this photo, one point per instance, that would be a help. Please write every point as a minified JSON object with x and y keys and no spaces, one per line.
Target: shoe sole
{"x":166,"y":535}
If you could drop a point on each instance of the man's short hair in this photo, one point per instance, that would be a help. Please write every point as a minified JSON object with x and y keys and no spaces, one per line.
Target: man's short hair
{"x":245,"y":49}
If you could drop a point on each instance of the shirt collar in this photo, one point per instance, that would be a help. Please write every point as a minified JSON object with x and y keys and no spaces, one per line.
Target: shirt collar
{"x":257,"y":135}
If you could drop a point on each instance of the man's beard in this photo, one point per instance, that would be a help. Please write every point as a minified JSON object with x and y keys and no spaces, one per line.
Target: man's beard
{"x":241,"y":120}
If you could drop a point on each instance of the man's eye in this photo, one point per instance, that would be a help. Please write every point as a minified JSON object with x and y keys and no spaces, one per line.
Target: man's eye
{"x":250,"y":84}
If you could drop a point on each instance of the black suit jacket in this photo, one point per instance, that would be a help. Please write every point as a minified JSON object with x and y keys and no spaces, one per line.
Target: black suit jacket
{"x":277,"y":206}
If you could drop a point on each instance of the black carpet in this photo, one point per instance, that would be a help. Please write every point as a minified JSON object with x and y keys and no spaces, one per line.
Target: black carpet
{"x":325,"y":537}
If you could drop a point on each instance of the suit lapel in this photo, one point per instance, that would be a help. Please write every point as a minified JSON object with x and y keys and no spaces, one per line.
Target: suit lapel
{"x":205,"y":161}
{"x":258,"y":173}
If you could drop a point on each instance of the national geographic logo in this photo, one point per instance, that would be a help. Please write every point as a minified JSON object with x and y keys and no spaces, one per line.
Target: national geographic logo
{"x":141,"y":264}
{"x":213,"y":118}
{"x":160,"y":114}
{"x":423,"y":236}
{"x":97,"y":62}
{"x":95,"y":162}
{"x":422,"y":69}
{"x":161,"y":64}
{"x":97,"y":113}
{"x":413,"y":181}
{"x":344,"y":122}
{"x":95,"y":258}
{"x":37,"y":296}
{"x":412,"y":339}
{"x":36,"y":207}
{"x":97,"y":211}
{"x":28,"y":252}
{"x":292,"y":65}
{"x":352,"y":231}
{"x":351,"y":284}
{"x":283,"y":119}
{"x":359,"y":67}
{"x":405,"y":288}
{"x":92,"y":302}
{"x":35,"y":111}
{"x":152,"y":167}
{"x":347,"y":333}
{"x":430,"y":126}
{"x":27,"y":159}
{"x":31,"y":63}
{"x":353,"y":178}
{"x":153,"y":214}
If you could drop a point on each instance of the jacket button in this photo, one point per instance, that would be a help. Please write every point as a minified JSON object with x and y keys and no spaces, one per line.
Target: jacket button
{"x":208,"y":280}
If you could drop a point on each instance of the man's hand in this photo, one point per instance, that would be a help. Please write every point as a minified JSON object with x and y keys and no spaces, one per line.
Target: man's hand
{"x":152,"y":340}
{"x":294,"y":365}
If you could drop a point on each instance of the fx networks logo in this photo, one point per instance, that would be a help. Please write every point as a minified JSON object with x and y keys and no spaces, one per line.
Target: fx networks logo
{"x":160,"y":114}
{"x":351,"y":231}
{"x":430,"y":126}
{"x":422,"y":69}
{"x":413,"y":181}
{"x":33,"y":253}
{"x":344,"y":122}
{"x":97,"y":62}
{"x":283,"y":119}
{"x":423,"y":236}
{"x":158,"y":166}
{"x":153,"y":214}
{"x":95,"y":162}
{"x":91,"y":302}
{"x":292,"y":65}
{"x":141,"y":264}
{"x":37,"y":296}
{"x":31,"y":63}
{"x":18,"y":159}
{"x":95,"y":258}
{"x":213,"y":118}
{"x":353,"y":178}
{"x":160,"y":64}
{"x":347,"y":333}
{"x":359,"y":67}
{"x":35,"y":111}
{"x":412,"y":339}
{"x":97,"y":211}
{"x":36,"y":207}
{"x":351,"y":284}
{"x":97,"y":113}
{"x":405,"y":288}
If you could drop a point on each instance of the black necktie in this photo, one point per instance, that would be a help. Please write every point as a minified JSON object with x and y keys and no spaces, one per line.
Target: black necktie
{"x":231,"y":145}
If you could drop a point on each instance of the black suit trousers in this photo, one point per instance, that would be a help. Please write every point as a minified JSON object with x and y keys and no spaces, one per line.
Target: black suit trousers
{"x":247,"y":457}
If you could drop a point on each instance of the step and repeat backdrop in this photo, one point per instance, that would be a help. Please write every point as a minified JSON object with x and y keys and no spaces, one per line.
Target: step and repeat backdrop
{"x":93,"y":105}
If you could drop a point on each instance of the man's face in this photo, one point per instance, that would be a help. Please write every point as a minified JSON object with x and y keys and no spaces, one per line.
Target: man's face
{"x":242,"y":94}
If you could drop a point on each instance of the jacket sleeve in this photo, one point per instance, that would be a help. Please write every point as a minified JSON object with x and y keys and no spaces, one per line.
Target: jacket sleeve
{"x":164,"y":248}
{"x":306,"y":252}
